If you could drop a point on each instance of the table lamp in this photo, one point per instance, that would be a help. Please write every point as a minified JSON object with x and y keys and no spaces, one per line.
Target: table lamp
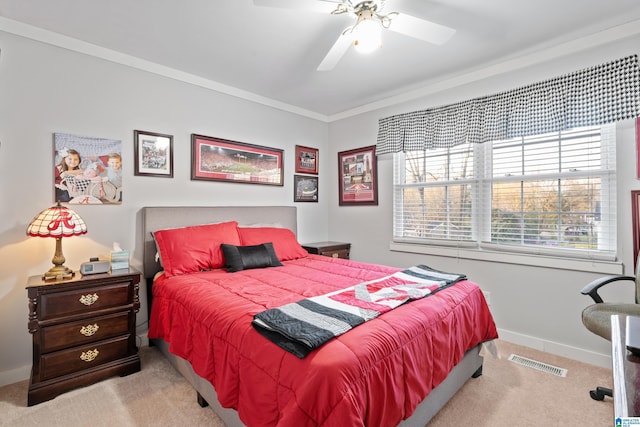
{"x":57,"y":222}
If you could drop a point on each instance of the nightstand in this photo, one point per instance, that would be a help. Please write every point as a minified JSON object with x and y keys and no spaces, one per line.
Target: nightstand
{"x":330,"y":249}
{"x":84,"y":330}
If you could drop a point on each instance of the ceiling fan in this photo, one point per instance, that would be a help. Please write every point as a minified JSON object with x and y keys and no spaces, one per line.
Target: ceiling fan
{"x":371,"y":19}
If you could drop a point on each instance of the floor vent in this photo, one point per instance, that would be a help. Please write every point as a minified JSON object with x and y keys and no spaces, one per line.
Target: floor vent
{"x":540,"y":366}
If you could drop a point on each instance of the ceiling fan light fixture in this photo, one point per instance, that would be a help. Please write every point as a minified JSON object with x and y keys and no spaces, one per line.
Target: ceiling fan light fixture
{"x":367,"y":33}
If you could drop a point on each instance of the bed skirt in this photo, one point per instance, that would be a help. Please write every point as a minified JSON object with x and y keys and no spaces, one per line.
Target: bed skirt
{"x":469,"y":366}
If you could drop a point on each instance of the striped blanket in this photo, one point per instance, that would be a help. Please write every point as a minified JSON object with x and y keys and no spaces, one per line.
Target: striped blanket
{"x":305,"y":325}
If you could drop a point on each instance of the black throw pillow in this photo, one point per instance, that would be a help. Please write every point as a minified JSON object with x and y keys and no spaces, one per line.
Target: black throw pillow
{"x":238,"y":258}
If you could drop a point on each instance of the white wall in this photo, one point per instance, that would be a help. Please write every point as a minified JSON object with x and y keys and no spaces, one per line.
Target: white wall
{"x":46,"y":89}
{"x":536,"y":306}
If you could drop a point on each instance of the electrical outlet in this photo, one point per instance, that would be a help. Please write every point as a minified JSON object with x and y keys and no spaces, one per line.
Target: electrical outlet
{"x":487,"y":296}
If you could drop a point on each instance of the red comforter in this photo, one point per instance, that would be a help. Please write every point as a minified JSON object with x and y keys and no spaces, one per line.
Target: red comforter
{"x":373,"y":375}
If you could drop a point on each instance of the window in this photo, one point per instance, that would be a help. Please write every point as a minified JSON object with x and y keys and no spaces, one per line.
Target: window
{"x":544,"y":194}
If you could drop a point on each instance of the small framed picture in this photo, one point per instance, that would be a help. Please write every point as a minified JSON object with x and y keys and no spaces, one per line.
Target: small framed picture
{"x":306,"y":188}
{"x":306,"y":160}
{"x":153,"y":154}
{"x":358,"y":176}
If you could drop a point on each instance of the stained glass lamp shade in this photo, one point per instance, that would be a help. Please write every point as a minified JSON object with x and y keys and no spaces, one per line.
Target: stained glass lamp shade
{"x":57,"y":222}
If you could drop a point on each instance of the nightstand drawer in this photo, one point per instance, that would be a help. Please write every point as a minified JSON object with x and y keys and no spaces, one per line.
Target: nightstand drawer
{"x":85,"y":331}
{"x":336,"y":253}
{"x":329,"y":249}
{"x":77,"y":359}
{"x":57,"y":304}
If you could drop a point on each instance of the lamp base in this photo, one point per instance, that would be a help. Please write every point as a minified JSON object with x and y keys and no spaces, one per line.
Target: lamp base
{"x":58,"y":272}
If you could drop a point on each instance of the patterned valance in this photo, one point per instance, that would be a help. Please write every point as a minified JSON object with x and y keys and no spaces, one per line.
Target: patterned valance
{"x":601,"y":94}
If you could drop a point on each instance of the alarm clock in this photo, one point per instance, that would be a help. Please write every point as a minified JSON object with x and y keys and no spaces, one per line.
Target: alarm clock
{"x":94,"y":266}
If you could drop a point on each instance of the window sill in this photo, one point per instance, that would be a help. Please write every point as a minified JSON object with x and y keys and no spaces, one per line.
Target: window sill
{"x":589,"y":265}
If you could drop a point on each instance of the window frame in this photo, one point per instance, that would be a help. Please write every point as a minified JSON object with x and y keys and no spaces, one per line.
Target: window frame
{"x":479,"y":248}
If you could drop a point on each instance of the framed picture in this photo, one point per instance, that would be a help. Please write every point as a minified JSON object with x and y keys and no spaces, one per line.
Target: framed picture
{"x":216,"y":159}
{"x":306,"y":188}
{"x":87,"y":170}
{"x":358,"y":178}
{"x":153,"y":154}
{"x":306,"y":160}
{"x":635,"y":219}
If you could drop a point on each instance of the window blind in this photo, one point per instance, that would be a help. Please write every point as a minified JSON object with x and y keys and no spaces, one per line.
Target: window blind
{"x":544,"y":194}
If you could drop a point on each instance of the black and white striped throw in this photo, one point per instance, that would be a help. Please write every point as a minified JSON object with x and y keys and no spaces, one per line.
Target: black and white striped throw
{"x":305,"y":325}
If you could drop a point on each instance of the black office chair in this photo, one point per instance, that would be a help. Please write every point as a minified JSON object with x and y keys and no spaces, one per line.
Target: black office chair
{"x":597,"y":317}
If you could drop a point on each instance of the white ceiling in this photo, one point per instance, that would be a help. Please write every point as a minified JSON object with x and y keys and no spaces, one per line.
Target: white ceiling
{"x":273,"y":52}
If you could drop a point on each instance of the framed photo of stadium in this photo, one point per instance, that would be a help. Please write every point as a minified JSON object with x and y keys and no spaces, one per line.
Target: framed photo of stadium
{"x":216,"y":159}
{"x":305,"y":188}
{"x":306,"y":160}
{"x":358,"y":176}
{"x":153,"y":153}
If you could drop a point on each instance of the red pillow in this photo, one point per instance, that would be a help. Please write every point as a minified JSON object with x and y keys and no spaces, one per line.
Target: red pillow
{"x":284,"y":241}
{"x":191,"y":249}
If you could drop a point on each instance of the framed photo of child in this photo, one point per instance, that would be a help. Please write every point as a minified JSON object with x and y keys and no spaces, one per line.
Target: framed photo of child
{"x":87,"y":170}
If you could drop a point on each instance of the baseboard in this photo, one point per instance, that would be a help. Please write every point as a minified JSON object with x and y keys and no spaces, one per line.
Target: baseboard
{"x":575,"y":353}
{"x":142,"y":340}
{"x":15,"y":375}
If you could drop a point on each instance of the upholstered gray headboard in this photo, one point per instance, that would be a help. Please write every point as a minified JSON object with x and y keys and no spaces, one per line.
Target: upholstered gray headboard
{"x":161,"y":217}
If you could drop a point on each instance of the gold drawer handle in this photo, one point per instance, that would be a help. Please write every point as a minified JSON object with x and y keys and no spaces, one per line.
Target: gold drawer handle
{"x":90,"y":355}
{"x":89,"y":299}
{"x":89,"y":330}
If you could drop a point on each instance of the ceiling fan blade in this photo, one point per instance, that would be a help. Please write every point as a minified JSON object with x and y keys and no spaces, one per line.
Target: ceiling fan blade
{"x":320,"y":6}
{"x":421,"y":29}
{"x":336,"y":52}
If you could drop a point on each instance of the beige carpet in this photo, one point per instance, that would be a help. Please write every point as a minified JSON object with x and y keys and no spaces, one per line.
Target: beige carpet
{"x":507,"y":394}
{"x":155,"y":396}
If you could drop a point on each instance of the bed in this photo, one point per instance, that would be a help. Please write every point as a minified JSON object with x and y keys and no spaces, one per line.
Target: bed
{"x":397,"y":369}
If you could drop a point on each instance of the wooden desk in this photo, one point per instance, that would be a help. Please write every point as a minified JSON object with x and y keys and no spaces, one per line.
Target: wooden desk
{"x":626,"y":372}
